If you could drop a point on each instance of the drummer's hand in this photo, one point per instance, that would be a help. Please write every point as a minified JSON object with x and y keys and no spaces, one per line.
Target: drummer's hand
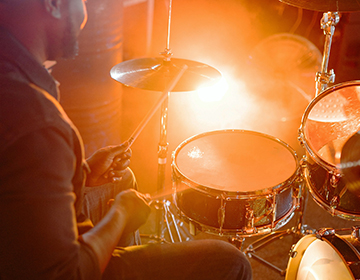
{"x":135,"y":207}
{"x":108,"y":164}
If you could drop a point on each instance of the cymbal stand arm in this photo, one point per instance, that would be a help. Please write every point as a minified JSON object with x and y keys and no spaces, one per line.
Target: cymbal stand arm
{"x":297,"y":231}
{"x":167,"y":52}
{"x":162,"y":157}
{"x":323,"y":78}
{"x":163,"y":145}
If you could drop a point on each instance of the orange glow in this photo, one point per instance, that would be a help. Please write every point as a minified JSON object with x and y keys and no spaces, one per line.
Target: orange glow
{"x":268,"y":71}
{"x":224,"y":112}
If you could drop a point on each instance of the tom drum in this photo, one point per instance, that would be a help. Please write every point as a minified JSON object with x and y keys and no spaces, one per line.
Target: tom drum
{"x":325,"y":257}
{"x":328,"y":122}
{"x":236,"y":182}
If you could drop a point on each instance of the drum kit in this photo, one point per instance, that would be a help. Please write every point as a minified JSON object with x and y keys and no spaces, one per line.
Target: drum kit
{"x":241,"y":183}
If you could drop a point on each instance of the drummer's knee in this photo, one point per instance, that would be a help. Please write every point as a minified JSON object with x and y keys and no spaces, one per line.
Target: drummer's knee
{"x":237,"y":261}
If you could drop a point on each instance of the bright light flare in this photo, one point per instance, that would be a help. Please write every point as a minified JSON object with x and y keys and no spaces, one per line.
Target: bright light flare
{"x":214,"y":93}
{"x":232,"y":111}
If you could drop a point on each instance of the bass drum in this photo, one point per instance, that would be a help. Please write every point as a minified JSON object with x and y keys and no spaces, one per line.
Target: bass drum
{"x":236,"y":182}
{"x":332,"y":257}
{"x":328,"y":122}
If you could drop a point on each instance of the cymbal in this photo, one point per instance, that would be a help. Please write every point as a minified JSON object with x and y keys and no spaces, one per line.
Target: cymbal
{"x":155,"y":74}
{"x":326,"y":5}
{"x":350,"y":163}
{"x":288,"y":57}
{"x":284,"y":68}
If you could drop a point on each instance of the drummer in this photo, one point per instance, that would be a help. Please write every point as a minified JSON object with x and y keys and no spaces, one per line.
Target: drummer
{"x":44,"y":233}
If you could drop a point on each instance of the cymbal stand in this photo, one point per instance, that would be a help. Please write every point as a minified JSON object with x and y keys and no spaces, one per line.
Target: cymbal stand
{"x":162,"y":160}
{"x":163,"y":213}
{"x":297,"y":231}
{"x":323,"y":78}
{"x":163,"y":145}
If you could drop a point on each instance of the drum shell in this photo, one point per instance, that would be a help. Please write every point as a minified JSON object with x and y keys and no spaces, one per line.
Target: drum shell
{"x":319,"y":182}
{"x":324,"y":178}
{"x":270,"y":207}
{"x":203,"y":207}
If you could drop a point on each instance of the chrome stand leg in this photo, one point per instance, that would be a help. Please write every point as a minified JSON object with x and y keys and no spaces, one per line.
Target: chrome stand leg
{"x":170,"y":227}
{"x":297,"y":232}
{"x":250,"y":250}
{"x":168,"y":215}
{"x":325,"y":76}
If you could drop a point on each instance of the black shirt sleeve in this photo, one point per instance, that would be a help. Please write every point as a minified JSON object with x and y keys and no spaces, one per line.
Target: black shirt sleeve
{"x":38,"y":232}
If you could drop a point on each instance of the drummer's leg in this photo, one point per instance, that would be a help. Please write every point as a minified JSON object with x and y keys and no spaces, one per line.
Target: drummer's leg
{"x":95,"y":204}
{"x":96,"y":199}
{"x":198,"y":260}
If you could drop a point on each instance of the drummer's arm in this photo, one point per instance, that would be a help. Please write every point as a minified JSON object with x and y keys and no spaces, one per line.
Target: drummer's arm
{"x":38,"y":236}
{"x":128,"y":212}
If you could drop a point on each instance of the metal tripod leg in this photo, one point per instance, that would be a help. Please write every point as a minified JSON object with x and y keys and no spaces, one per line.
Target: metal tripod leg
{"x":250,"y":250}
{"x":168,"y":214}
{"x":170,"y":227}
{"x":297,"y":232}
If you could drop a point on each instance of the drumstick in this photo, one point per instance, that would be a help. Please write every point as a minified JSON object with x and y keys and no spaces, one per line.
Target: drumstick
{"x":156,"y":107}
{"x":144,"y":122}
{"x":152,"y":198}
{"x":165,"y":192}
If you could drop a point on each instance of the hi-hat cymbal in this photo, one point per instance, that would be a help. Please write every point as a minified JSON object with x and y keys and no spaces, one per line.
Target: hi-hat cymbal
{"x":156,"y":73}
{"x":326,"y":5}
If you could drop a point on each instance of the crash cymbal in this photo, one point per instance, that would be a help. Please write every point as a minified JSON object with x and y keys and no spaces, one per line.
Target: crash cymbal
{"x":289,"y":57}
{"x":284,"y":68}
{"x":326,"y":5}
{"x":155,"y":74}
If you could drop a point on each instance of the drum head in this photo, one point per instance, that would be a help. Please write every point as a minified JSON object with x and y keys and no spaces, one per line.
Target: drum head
{"x":329,"y":120}
{"x":317,"y":259}
{"x":236,"y":161}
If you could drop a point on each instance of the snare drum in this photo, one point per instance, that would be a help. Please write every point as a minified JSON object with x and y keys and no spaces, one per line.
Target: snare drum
{"x":237,"y":182}
{"x":328,"y":122}
{"x":326,"y":258}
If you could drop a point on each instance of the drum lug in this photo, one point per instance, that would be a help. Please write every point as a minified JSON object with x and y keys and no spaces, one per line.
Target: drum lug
{"x":355,"y":232}
{"x":334,"y":180}
{"x":192,"y":228}
{"x":304,"y":167}
{"x":249,"y":216}
{"x":303,"y":162}
{"x":292,"y":252}
{"x":299,"y":190}
{"x":221,"y":218}
{"x":250,"y":221}
{"x":301,"y":137}
{"x":334,"y":203}
{"x":324,"y":232}
{"x":339,"y":192}
{"x":221,"y":213}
